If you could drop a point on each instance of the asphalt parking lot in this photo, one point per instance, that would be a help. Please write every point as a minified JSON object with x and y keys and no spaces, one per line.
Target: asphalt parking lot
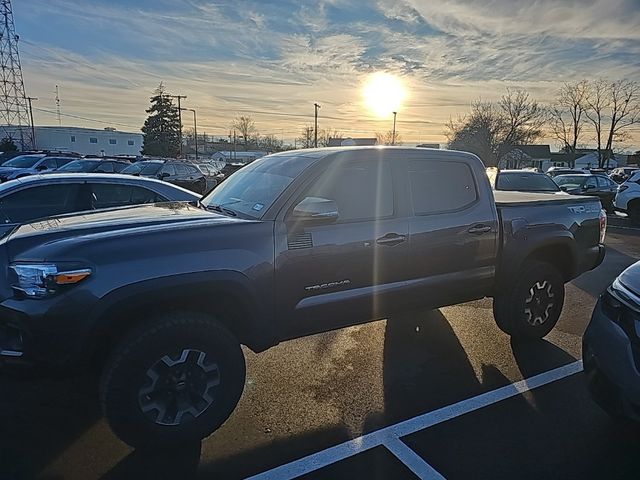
{"x":426,"y":394}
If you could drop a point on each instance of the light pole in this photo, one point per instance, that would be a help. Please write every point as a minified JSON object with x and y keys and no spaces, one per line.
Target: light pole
{"x":33,"y":128}
{"x":393,"y":135}
{"x":179,"y":97}
{"x":195,"y":128}
{"x":315,"y":129}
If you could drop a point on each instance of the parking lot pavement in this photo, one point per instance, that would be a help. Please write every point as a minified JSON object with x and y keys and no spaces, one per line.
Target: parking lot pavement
{"x":309,"y":396}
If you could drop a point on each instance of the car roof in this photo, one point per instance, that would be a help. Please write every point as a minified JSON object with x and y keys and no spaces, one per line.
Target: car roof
{"x":55,"y":177}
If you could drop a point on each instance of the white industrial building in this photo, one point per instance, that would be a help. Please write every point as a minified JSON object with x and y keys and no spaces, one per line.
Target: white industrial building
{"x":86,"y":141}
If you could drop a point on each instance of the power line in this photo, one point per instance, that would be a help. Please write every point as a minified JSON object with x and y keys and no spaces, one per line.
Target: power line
{"x":85,"y":118}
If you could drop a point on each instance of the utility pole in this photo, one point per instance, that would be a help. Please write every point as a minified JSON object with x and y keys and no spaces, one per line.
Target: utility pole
{"x":195,"y":128}
{"x":58,"y":106}
{"x":315,"y":130}
{"x":179,"y":97}
{"x":393,"y":136}
{"x":234,"y":146}
{"x":33,"y":128}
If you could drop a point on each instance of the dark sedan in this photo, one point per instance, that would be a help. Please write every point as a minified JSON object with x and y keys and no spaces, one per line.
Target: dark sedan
{"x":525,"y":181}
{"x":95,"y":165}
{"x":184,"y":174}
{"x":599,"y":186}
{"x":39,"y":196}
{"x":611,"y":347}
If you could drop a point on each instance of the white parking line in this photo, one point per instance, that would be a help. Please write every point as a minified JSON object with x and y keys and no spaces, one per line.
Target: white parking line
{"x":386,"y":435}
{"x":411,"y":459}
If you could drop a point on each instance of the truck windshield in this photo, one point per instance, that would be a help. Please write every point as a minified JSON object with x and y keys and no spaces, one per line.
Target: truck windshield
{"x":253,"y":189}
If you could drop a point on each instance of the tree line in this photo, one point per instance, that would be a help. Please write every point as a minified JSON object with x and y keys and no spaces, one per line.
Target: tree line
{"x":596,"y":111}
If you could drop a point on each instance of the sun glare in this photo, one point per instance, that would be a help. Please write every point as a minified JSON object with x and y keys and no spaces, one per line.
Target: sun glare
{"x":383,"y":93}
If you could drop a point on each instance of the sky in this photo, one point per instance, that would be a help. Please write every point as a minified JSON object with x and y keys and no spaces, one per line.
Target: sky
{"x":274,"y":59}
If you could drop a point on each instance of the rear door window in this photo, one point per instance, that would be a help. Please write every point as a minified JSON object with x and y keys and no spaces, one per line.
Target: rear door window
{"x":106,"y":195}
{"x":439,"y":186}
{"x":182,"y":170}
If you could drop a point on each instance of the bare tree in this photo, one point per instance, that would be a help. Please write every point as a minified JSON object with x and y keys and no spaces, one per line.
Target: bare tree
{"x":624,"y":111}
{"x":523,"y":119}
{"x":480,"y":132}
{"x":387,"y":138}
{"x":271,"y":143}
{"x":326,"y":134}
{"x":306,"y":140}
{"x":246,"y":128}
{"x":566,"y":115}
{"x":596,"y":101}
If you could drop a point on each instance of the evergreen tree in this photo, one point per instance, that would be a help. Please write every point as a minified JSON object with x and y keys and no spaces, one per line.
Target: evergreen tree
{"x":162,"y":127}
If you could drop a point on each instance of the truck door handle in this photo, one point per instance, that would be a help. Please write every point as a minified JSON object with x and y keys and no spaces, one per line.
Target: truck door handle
{"x":479,"y":229}
{"x":391,"y":239}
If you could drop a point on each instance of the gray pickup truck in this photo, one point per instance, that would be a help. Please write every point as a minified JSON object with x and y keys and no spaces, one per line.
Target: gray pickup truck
{"x":160,"y":297}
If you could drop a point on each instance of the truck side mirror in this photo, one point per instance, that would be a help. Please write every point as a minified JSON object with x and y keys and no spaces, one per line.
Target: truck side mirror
{"x":316,"y":210}
{"x":41,"y":167}
{"x":589,"y":187}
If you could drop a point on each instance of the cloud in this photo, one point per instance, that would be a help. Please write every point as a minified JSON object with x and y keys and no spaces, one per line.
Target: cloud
{"x":277,"y":58}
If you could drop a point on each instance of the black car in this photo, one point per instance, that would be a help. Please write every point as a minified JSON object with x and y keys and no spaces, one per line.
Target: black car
{"x":599,"y":186}
{"x":611,"y":347}
{"x":39,"y":196}
{"x":94,"y":165}
{"x":184,"y":174}
{"x":525,"y":181}
{"x":227,"y":170}
{"x":32,"y":163}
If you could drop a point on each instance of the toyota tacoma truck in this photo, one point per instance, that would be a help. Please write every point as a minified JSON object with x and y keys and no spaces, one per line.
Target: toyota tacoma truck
{"x":159,"y":298}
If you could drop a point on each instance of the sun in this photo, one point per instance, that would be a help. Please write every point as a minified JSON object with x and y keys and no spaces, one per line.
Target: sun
{"x":383,"y":93}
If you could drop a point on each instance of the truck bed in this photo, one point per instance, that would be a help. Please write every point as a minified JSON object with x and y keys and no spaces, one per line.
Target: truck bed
{"x":509,"y":199}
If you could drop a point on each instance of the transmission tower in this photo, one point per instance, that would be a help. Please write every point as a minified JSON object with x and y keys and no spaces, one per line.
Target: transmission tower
{"x":14,"y":110}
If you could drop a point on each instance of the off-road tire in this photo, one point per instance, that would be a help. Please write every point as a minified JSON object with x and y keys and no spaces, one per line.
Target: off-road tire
{"x":126,"y":375}
{"x":519,"y":314}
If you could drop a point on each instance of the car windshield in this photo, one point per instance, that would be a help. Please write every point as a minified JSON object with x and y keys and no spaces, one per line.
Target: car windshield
{"x":254,"y":188}
{"x":23,"y":161}
{"x":570,"y":180}
{"x":80,"y":166}
{"x":525,"y":182}
{"x":151,"y":168}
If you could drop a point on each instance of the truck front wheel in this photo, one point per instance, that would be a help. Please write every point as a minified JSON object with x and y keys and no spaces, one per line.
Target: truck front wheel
{"x":529,"y":306}
{"x":172,"y":381}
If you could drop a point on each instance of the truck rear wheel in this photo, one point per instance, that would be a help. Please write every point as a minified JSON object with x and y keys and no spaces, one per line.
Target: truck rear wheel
{"x":529,"y":307}
{"x":172,"y":381}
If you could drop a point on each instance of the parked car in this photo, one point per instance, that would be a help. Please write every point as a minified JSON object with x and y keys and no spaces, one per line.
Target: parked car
{"x":621,"y":174}
{"x":38,"y":196}
{"x":525,"y":181}
{"x":599,"y":186}
{"x":294,"y":243}
{"x":627,"y":199}
{"x":95,"y":165}
{"x":210,"y":174}
{"x":184,"y":174}
{"x":555,"y":171}
{"x":30,"y":164}
{"x":611,"y":347}
{"x":227,"y":170}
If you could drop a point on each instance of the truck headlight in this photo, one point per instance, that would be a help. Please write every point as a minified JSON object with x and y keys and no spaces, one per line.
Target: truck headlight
{"x":41,"y":280}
